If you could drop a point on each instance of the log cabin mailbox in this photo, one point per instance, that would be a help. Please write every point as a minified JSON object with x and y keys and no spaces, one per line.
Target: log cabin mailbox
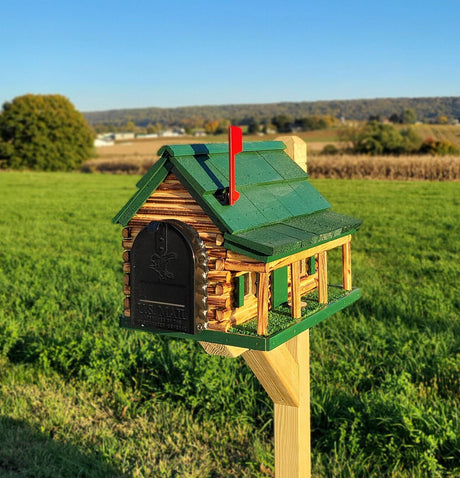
{"x":243,"y":272}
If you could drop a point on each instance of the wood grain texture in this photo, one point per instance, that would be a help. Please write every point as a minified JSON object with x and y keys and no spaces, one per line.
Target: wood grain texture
{"x":296,"y":148}
{"x":285,"y":261}
{"x":296,"y":309}
{"x":262,"y":303}
{"x":292,"y":424}
{"x":277,"y":372}
{"x":346,"y":266}
{"x":307,"y":284}
{"x":237,"y":266}
{"x":322,"y":277}
{"x":222,"y":350}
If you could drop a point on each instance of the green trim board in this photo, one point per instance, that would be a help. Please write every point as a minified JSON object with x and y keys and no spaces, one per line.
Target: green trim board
{"x":239,"y":290}
{"x":266,"y":259}
{"x":279,"y":286}
{"x":178,"y":150}
{"x":148,"y":183}
{"x":270,"y":342}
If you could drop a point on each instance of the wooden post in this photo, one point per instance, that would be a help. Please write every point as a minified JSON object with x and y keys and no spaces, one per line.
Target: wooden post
{"x":262,"y":303}
{"x":296,"y":148}
{"x":296,"y":309}
{"x":285,"y":374}
{"x":322,"y":277}
{"x":346,"y":265}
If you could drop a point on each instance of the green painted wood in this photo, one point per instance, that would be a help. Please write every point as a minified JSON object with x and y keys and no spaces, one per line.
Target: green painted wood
{"x":177,"y":150}
{"x":288,"y":197}
{"x":151,"y":172}
{"x":239,"y":290}
{"x":294,"y":234}
{"x":264,"y":343}
{"x":202,"y":200}
{"x":279,"y":286}
{"x":266,"y":199}
{"x":309,"y":197}
{"x":267,"y":240}
{"x":282,"y":163}
{"x":251,"y":168}
{"x":324,"y":226}
{"x":242,"y":215}
{"x":198,"y":174}
{"x":312,"y":320}
{"x":142,"y":194}
{"x":241,"y":249}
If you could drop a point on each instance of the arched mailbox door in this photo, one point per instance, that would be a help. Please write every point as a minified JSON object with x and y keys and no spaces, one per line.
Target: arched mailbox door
{"x":169,"y":270}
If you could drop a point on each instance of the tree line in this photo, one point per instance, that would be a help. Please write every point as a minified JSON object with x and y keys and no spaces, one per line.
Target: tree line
{"x":430,"y":109}
{"x":375,"y":138}
{"x":46,"y":132}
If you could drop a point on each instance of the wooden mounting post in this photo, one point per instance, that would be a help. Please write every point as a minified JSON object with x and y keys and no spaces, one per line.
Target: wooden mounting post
{"x":296,"y":148}
{"x":285,"y":375}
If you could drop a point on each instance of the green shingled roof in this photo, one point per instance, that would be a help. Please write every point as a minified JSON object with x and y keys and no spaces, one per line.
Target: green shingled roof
{"x":279,"y":212}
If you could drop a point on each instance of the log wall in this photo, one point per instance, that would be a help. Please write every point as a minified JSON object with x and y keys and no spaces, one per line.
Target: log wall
{"x":172,"y":201}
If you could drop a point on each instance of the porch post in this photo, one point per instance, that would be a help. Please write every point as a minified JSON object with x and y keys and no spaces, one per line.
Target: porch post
{"x":346,"y":265}
{"x":322,"y":277}
{"x":296,"y":310}
{"x":262,"y":303}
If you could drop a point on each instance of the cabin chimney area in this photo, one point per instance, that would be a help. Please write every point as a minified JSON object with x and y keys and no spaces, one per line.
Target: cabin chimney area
{"x":296,"y":148}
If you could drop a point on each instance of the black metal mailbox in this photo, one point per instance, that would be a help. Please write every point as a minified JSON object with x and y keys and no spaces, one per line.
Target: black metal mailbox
{"x":169,"y":275}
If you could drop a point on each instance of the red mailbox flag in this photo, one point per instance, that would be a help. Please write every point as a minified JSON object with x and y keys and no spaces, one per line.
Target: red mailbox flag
{"x":235,"y":146}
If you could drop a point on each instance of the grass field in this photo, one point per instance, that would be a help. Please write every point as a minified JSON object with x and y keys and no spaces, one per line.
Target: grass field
{"x":81,"y":397}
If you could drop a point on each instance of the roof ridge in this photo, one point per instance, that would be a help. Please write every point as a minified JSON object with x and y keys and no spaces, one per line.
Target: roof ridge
{"x":200,"y":149}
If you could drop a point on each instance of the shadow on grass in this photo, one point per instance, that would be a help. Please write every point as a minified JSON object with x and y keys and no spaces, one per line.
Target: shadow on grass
{"x":26,"y":452}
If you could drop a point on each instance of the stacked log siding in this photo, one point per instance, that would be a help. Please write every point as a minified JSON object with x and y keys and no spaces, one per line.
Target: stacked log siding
{"x":172,"y":201}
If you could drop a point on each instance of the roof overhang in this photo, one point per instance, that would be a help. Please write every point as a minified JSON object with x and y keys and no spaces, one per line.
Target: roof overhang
{"x":275,"y":241}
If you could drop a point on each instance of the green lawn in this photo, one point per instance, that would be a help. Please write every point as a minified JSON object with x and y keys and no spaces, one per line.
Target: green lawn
{"x":81,"y":397}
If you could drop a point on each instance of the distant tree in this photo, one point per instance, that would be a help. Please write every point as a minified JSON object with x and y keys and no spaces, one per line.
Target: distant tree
{"x":154,"y":128}
{"x":130,"y":126}
{"x":211,"y":127}
{"x":223,"y":126}
{"x":253,"y":126}
{"x":411,"y":141}
{"x":395,"y":118}
{"x":269,"y":128}
{"x":377,"y":138}
{"x":438,"y":148}
{"x":193,"y":123}
{"x":330,"y":149}
{"x":43,"y":132}
{"x":443,"y":120}
{"x":352,"y":135}
{"x":282,"y":123}
{"x":408,"y":116}
{"x":312,"y":123}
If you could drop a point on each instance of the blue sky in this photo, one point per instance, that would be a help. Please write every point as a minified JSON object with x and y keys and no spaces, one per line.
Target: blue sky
{"x":108,"y":55}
